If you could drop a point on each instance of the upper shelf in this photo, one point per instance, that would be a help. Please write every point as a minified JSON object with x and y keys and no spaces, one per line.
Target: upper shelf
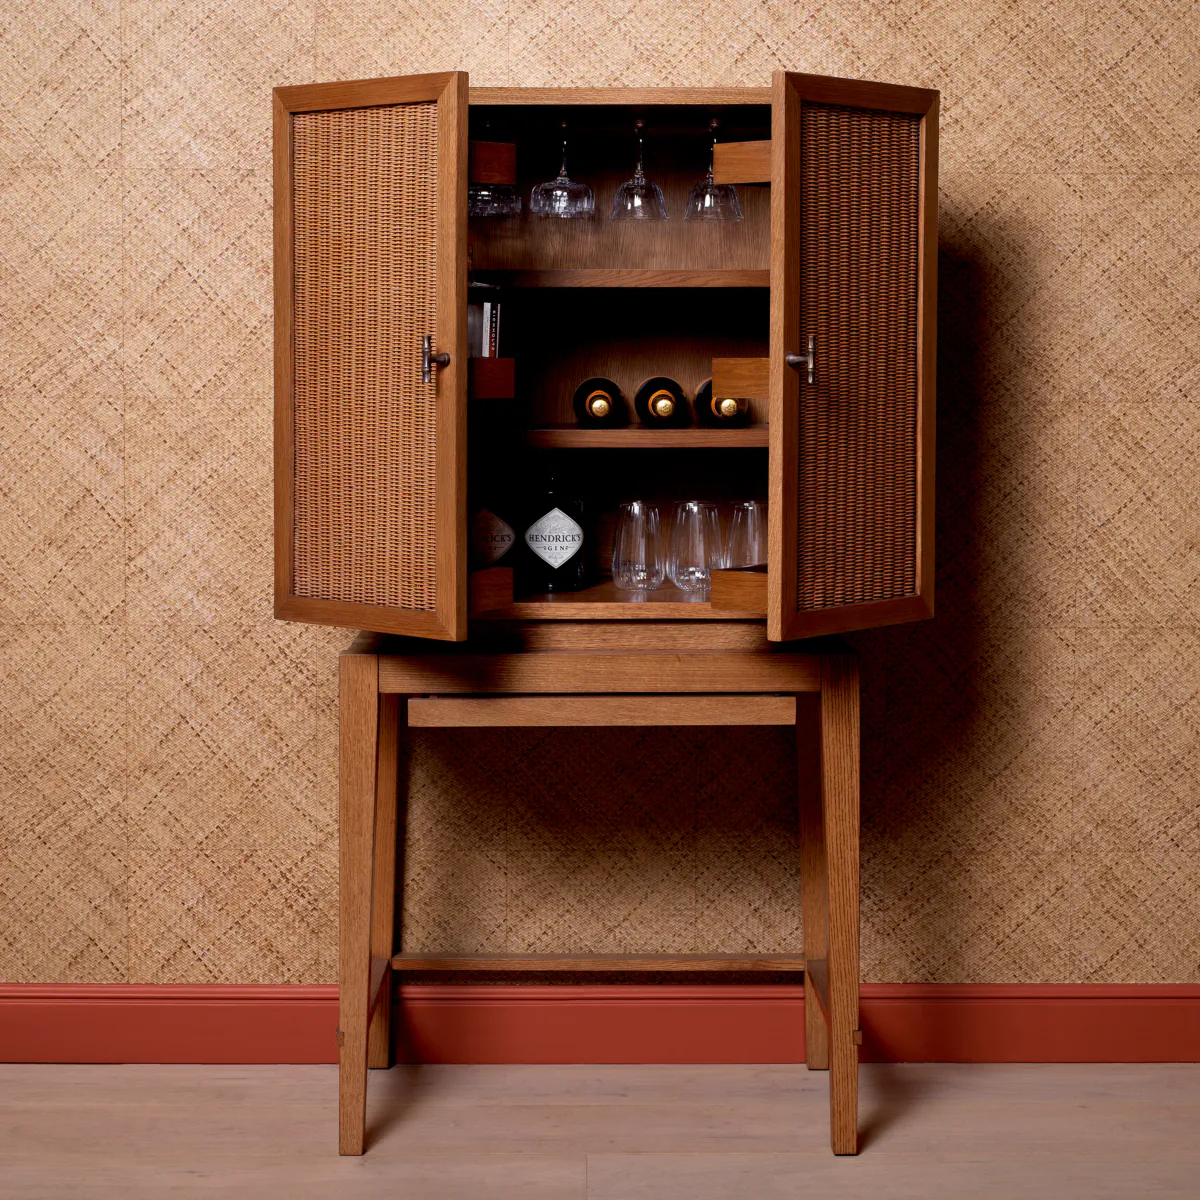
{"x":622,"y":277}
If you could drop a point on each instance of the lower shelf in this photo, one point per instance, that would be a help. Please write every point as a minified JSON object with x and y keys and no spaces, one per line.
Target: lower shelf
{"x":491,"y":599}
{"x":606,"y":602}
{"x":598,"y":962}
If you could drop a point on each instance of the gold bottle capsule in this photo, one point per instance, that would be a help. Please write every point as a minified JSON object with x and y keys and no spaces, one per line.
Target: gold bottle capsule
{"x":662,"y":404}
{"x":598,"y":405}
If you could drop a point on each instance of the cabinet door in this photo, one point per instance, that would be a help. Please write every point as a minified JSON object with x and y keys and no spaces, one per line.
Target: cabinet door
{"x":370,"y":447}
{"x":853,"y":272}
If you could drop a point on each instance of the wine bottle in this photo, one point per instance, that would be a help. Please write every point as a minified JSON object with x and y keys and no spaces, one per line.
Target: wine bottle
{"x":724,"y":411}
{"x":600,"y":403}
{"x":660,"y":401}
{"x":556,"y":543}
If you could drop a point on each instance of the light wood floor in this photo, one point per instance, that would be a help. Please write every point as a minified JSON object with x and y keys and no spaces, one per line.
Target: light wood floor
{"x":606,"y":1133}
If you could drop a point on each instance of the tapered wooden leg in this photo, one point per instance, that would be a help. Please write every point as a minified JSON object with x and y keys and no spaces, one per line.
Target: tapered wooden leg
{"x":813,"y":896}
{"x":839,"y":795}
{"x":379,"y":1037}
{"x":359,"y":731}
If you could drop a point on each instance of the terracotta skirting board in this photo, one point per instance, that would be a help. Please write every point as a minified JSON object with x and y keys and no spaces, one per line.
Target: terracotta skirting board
{"x":600,"y":1023}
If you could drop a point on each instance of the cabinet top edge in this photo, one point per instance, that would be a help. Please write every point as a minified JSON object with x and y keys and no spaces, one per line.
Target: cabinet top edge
{"x":619,"y":95}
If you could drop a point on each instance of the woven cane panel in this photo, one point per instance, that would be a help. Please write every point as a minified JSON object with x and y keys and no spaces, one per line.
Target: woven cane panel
{"x":168,"y":764}
{"x":365,"y":211}
{"x":857,"y":499}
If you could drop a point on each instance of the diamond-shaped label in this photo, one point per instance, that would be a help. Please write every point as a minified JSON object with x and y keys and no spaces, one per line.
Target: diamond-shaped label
{"x":554,"y":538}
{"x":491,"y":537}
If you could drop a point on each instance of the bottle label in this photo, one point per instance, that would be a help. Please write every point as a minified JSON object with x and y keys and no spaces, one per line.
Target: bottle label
{"x":554,"y":538}
{"x":491,"y":537}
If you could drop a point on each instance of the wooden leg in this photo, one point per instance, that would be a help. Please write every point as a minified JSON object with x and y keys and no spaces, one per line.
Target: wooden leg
{"x":813,"y":884}
{"x":359,"y":735}
{"x":379,"y":1038}
{"x":839,"y":798}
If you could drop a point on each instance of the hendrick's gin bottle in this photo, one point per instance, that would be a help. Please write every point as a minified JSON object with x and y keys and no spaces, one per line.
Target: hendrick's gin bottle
{"x":556,"y":538}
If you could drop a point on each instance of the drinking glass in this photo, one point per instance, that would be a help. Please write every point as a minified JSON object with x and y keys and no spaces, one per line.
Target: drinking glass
{"x":695,"y":546}
{"x":493,"y":200}
{"x":639,"y":199}
{"x":562,"y":196}
{"x":747,"y":542}
{"x":711,"y":201}
{"x":637,"y":562}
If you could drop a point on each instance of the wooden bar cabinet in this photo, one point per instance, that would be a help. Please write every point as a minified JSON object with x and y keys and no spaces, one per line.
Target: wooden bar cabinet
{"x":818,"y":308}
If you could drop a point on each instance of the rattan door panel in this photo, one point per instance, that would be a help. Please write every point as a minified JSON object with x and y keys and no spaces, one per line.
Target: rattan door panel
{"x":370,"y":258}
{"x":853,"y":268}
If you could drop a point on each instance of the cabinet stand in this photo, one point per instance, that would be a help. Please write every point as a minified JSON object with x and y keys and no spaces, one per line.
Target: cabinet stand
{"x":384,"y":685}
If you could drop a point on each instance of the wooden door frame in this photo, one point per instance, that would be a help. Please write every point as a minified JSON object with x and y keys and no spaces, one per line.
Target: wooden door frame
{"x":788,"y":90}
{"x":449,"y":90}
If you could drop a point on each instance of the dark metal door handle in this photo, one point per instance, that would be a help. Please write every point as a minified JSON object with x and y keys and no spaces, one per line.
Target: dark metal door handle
{"x":804,"y":360}
{"x":429,"y":360}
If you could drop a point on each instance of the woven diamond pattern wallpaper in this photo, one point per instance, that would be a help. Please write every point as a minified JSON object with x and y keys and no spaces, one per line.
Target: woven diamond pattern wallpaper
{"x":168,"y":761}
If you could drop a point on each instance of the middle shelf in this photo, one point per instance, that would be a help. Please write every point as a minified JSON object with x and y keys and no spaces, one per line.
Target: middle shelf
{"x":636,"y":437}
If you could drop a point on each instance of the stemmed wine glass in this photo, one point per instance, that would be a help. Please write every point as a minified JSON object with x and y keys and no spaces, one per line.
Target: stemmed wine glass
{"x":562,"y":196}
{"x":639,"y":198}
{"x":711,"y":201}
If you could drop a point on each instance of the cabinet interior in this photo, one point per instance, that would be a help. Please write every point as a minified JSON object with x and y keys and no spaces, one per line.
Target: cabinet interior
{"x":582,"y":298}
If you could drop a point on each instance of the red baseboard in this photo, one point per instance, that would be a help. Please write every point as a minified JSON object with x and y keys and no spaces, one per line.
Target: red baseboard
{"x":601,"y":1024}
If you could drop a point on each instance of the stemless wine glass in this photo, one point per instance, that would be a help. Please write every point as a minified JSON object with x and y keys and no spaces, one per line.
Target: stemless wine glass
{"x":747,"y":542}
{"x":711,"y":201}
{"x":639,"y":198}
{"x":562,"y":196}
{"x":637,"y":562}
{"x":695,"y":546}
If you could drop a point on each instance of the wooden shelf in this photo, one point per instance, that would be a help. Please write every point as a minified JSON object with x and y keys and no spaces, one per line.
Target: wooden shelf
{"x":624,"y":277}
{"x":635,"y":437}
{"x":606,"y":602}
{"x":598,"y":962}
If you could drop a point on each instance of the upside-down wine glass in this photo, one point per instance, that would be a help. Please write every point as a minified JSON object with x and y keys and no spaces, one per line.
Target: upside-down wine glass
{"x":639,"y":198}
{"x":562,"y":196}
{"x":711,"y":201}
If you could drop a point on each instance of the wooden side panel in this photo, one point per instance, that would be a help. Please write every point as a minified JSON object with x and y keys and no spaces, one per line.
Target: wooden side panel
{"x":370,"y":229}
{"x":748,"y":377}
{"x":493,"y":162}
{"x":851,"y":441}
{"x":742,"y":162}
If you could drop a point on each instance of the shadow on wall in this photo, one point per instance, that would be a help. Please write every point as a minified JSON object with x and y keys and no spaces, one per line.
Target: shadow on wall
{"x":676,"y":840}
{"x":950,"y":850}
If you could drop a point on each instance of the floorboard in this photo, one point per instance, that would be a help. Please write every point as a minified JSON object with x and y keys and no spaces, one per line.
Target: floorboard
{"x":600,"y":1133}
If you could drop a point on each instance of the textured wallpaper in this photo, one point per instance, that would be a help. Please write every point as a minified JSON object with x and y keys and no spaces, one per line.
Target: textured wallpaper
{"x":168,"y":751}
